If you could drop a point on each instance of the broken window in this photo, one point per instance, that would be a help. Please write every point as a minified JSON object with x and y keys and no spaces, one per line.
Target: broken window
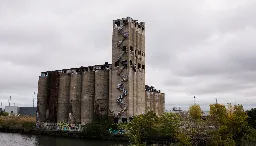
{"x":115,"y":120}
{"x":124,"y":120}
{"x":130,"y":62}
{"x":139,"y":65}
{"x":124,"y":48}
{"x":124,"y":63}
{"x":139,"y":52}
{"x":116,"y":64}
{"x":143,"y":66}
{"x":131,"y":48}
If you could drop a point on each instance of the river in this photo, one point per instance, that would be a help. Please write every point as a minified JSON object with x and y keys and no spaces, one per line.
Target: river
{"x":10,"y":139}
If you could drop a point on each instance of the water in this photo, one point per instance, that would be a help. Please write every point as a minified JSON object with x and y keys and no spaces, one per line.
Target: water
{"x":9,"y":139}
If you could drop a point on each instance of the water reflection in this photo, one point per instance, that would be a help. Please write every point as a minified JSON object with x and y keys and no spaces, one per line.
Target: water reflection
{"x":7,"y":139}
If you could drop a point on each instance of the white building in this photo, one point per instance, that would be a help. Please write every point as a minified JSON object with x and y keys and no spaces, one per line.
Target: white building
{"x":12,"y":110}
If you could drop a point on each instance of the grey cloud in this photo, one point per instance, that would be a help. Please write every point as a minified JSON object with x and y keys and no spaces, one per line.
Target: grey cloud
{"x":199,"y":48}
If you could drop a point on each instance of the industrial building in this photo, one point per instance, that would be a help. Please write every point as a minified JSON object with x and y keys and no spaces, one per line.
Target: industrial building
{"x":116,"y":91}
{"x":23,"y":111}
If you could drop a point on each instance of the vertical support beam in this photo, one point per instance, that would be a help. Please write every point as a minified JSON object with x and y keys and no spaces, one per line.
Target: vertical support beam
{"x":87,"y":97}
{"x":75,"y":94}
{"x":102,"y":94}
{"x":53,"y":96}
{"x":43,"y":85}
{"x":63,"y":99}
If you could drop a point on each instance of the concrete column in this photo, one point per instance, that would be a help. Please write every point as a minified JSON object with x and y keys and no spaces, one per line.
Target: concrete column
{"x":75,"y":94}
{"x":102,"y":94}
{"x":87,"y":97}
{"x":43,"y":86}
{"x":63,"y":99}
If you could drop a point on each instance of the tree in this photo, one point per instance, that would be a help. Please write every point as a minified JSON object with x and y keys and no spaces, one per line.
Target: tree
{"x":169,"y":124}
{"x":195,"y":112}
{"x":252,"y":117}
{"x":237,"y":123}
{"x":218,"y":114}
{"x":4,"y":114}
{"x":141,"y":127}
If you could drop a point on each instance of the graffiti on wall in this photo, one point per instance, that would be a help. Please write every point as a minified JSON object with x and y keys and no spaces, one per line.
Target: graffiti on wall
{"x":61,"y":126}
{"x":124,"y":64}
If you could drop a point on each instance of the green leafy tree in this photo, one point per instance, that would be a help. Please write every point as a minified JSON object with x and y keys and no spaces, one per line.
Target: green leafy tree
{"x":218,"y":114}
{"x":195,"y":112}
{"x":238,"y":123}
{"x":141,"y":127}
{"x":252,"y":117}
{"x":168,"y":125}
{"x":4,"y":114}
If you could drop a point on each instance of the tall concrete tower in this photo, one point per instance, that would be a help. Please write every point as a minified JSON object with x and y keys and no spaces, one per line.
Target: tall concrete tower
{"x":127,"y":87}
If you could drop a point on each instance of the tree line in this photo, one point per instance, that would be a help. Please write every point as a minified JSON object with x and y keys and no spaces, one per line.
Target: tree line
{"x":224,"y":126}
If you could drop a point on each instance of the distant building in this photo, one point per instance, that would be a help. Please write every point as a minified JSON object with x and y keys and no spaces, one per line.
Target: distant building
{"x":28,"y":111}
{"x":24,"y":111}
{"x":12,"y":110}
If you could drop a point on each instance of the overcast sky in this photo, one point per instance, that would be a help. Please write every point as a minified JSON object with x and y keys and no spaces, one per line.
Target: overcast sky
{"x":196,"y":48}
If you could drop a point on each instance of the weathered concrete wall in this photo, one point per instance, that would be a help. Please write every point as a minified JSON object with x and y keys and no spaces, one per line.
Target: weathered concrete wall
{"x":141,"y":72}
{"x":87,"y":96}
{"x":152,"y":102}
{"x":162,"y":104}
{"x":156,"y":96}
{"x":75,"y":94}
{"x":118,"y":103}
{"x":102,"y":92}
{"x":147,"y":100}
{"x":63,"y":99}
{"x":42,"y":97}
{"x":51,"y":112}
{"x":135,"y":85}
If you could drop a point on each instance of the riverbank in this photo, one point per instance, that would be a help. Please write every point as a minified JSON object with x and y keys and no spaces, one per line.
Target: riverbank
{"x":16,"y":139}
{"x":63,"y":134}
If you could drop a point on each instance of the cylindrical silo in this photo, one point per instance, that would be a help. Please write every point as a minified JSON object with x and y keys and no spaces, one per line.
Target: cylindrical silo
{"x":87,"y":97}
{"x":156,"y":95}
{"x":147,"y":99}
{"x":63,"y":99}
{"x":43,"y":86}
{"x":75,"y":94}
{"x":101,"y":92}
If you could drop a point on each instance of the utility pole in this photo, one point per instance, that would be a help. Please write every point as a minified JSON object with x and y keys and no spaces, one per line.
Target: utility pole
{"x":216,"y":100}
{"x":34,"y":99}
{"x":33,"y":102}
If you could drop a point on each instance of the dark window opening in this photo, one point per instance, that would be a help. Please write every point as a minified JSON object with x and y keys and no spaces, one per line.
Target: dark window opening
{"x":124,"y":63}
{"x":143,"y":66}
{"x":139,"y":65}
{"x":139,"y":52}
{"x":125,"y":21}
{"x":124,"y":120}
{"x":117,"y":23}
{"x":130,"y":119}
{"x":11,"y":112}
{"x":130,"y":62}
{"x":135,"y":52}
{"x":124,"y":48}
{"x":131,"y":48}
{"x":115,"y":120}
{"x":116,"y":64}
